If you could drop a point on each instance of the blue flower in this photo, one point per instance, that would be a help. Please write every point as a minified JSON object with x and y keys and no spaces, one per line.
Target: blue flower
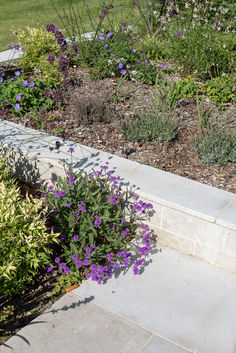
{"x":1,"y":80}
{"x":17,"y":106}
{"x":120,"y":65}
{"x":17,"y":73}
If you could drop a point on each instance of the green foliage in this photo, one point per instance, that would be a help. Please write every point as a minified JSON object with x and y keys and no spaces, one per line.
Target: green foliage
{"x":89,"y":196}
{"x":156,"y":47}
{"x":112,"y":49}
{"x":189,"y":88}
{"x":203,"y":51}
{"x":221,"y":89}
{"x":167,"y":94}
{"x":28,"y":94}
{"x":38,"y":44}
{"x":203,"y":115}
{"x":216,"y":147}
{"x":150,"y":128}
{"x":24,"y":246}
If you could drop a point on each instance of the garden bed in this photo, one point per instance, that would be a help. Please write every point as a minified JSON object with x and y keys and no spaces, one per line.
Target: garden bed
{"x":95,"y":116}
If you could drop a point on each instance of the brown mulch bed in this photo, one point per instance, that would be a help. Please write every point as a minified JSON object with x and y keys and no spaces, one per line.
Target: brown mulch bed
{"x":94,"y":119}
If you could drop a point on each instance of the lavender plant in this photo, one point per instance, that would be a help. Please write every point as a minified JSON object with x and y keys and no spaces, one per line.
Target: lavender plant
{"x":97,"y":220}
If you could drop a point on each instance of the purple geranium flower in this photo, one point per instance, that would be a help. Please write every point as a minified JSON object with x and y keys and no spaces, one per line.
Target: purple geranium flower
{"x":68,"y":204}
{"x":51,"y":187}
{"x":63,"y":237}
{"x":123,"y":72}
{"x":1,"y":80}
{"x":120,"y":65}
{"x":109,"y":257}
{"x":76,"y":237}
{"x":112,"y":200}
{"x":17,"y":106}
{"x":57,"y":260}
{"x":17,"y":73}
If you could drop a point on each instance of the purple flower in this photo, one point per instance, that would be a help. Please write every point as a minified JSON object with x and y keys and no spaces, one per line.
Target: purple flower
{"x":120,"y":65}
{"x":63,"y":237}
{"x":76,"y":237}
{"x":17,"y":106}
{"x":163,"y":66}
{"x":31,"y":84}
{"x":62,"y":265}
{"x":93,"y":246}
{"x":68,"y":204}
{"x":25,"y":82}
{"x":51,"y":187}
{"x":109,"y":257}
{"x":112,"y":200}
{"x":36,"y":71}
{"x":74,"y":257}
{"x":179,"y":33}
{"x":66,"y":269}
{"x":100,"y":37}
{"x":1,"y":80}
{"x":134,"y":50}
{"x":86,"y":262}
{"x":49,"y":268}
{"x":19,"y":96}
{"x":55,"y":209}
{"x":71,"y":150}
{"x":109,"y":34}
{"x":59,"y":193}
{"x":123,"y":72}
{"x":112,"y":226}
{"x":112,"y":54}
{"x":71,"y":180}
{"x":135,"y":270}
{"x":93,"y":267}
{"x":97,"y":222}
{"x":57,"y":260}
{"x":77,"y":213}
{"x":79,"y":263}
{"x":133,"y":38}
{"x":122,"y":220}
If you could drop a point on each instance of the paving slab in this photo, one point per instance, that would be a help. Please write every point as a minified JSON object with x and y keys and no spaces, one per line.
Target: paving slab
{"x":158,"y":345}
{"x":177,"y":297}
{"x":10,"y":54}
{"x":74,"y":325}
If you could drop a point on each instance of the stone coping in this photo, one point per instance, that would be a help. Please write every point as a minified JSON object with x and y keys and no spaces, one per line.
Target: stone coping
{"x":194,"y":218}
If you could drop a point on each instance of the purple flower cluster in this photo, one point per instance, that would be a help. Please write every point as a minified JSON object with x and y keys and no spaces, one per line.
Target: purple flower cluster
{"x":58,"y":36}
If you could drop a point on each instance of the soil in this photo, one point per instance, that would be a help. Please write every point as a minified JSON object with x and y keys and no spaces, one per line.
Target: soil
{"x":95,"y":116}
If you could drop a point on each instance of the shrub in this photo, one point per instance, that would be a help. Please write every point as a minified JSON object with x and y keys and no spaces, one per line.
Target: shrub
{"x":21,"y":96}
{"x":150,"y":128}
{"x":115,"y":54}
{"x":201,"y":50}
{"x":189,"y":88}
{"x":96,"y":223}
{"x":216,"y":147}
{"x":25,"y":241}
{"x":221,"y":89}
{"x":38,"y":44}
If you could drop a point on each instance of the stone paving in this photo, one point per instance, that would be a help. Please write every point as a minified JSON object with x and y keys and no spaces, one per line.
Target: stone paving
{"x":178,"y":304}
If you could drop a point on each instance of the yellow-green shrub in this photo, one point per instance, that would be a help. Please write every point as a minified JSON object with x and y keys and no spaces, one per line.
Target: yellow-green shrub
{"x":38,"y":44}
{"x":24,"y":239}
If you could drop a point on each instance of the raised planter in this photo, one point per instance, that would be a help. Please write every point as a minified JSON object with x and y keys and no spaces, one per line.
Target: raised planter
{"x":194,"y":218}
